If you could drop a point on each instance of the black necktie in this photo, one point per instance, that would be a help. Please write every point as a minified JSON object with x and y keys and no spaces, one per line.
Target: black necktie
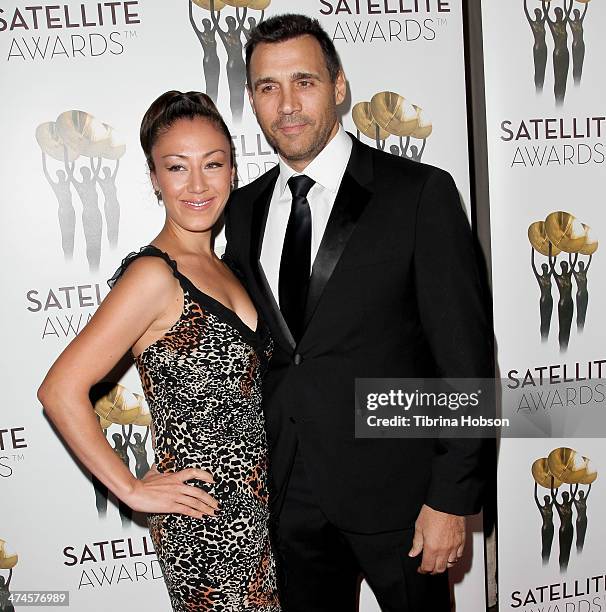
{"x":295,"y":264}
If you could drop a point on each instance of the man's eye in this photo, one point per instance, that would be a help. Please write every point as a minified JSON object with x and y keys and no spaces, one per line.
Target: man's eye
{"x":266,"y":88}
{"x":305,"y":83}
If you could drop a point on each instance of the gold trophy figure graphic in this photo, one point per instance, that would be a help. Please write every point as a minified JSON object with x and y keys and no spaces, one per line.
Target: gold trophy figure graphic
{"x":543,"y":478}
{"x":561,"y":232}
{"x":137,"y":447}
{"x":389,"y":113}
{"x":258,"y":5}
{"x":558,"y":23}
{"x":126,"y":409}
{"x":8,"y":560}
{"x":560,"y":56}
{"x":564,"y":466}
{"x":578,"y":41}
{"x":208,"y":40}
{"x":579,"y":272}
{"x":112,"y":150}
{"x":233,"y":38}
{"x":579,"y":499}
{"x":52,"y":145}
{"x":539,"y":49}
{"x":73,"y":135}
{"x":540,"y":243}
{"x":366,"y":124}
{"x":93,"y":140}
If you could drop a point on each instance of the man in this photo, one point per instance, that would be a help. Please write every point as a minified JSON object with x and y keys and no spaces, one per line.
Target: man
{"x":362,"y":264}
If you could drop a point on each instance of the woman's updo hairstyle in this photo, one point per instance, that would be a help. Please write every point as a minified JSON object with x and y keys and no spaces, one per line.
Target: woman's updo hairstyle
{"x":172,"y":106}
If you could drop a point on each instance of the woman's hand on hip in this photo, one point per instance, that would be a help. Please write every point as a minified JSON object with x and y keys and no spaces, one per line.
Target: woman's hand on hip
{"x":167,"y":492}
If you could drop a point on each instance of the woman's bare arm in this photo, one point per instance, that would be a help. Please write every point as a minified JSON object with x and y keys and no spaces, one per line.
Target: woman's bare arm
{"x":134,"y":310}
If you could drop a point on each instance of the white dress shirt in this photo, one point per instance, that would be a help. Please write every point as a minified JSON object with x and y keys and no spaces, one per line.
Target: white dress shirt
{"x":327,"y":171}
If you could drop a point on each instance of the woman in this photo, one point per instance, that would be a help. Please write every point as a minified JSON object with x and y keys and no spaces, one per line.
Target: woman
{"x":200,"y":352}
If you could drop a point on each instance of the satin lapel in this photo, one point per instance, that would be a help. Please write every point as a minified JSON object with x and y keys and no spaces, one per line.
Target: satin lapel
{"x":270,"y":309}
{"x":353,"y":196}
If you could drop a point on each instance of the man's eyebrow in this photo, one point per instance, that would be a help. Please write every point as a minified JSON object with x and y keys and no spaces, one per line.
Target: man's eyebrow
{"x":295,"y":76}
{"x":263,"y":80}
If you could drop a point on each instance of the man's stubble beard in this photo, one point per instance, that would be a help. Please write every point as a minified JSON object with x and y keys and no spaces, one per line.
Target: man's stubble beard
{"x":316,"y":146}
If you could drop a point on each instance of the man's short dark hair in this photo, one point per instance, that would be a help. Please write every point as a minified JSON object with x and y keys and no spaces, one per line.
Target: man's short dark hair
{"x":286,"y":27}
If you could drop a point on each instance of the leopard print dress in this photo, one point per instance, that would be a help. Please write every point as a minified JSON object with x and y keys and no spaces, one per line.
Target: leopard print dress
{"x":202,"y":381}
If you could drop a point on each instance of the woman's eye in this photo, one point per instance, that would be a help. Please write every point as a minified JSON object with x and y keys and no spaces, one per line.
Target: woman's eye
{"x":176,"y":168}
{"x":214,"y":165}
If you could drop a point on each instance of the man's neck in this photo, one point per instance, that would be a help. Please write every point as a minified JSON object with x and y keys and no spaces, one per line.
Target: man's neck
{"x":300,"y":165}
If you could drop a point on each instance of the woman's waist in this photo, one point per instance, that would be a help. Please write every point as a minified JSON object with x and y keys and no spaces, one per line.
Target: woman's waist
{"x":232,"y":476}
{"x":193,"y":404}
{"x":221,"y":462}
{"x":204,"y":437}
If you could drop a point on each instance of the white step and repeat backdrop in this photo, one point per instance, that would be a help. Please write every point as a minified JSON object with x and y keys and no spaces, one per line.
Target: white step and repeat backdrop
{"x":76,"y":80}
{"x":546,"y":128}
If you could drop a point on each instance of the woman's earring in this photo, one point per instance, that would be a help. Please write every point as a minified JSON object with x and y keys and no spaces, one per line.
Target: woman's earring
{"x":158,"y":195}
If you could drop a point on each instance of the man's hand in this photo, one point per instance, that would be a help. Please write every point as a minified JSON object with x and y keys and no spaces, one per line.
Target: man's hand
{"x":441,"y":538}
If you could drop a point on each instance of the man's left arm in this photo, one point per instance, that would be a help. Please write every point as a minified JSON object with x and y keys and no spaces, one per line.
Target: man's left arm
{"x":231,"y":256}
{"x":454,"y":315}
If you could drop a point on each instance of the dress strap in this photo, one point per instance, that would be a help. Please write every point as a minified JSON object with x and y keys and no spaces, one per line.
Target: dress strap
{"x":146,"y":251}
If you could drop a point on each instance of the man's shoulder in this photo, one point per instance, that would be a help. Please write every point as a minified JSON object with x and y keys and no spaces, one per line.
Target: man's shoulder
{"x":406,"y":168}
{"x":389,"y":166}
{"x":250,"y":191}
{"x":240,"y":204}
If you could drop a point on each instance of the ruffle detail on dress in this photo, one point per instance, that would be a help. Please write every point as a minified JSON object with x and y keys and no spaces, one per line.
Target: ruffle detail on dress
{"x":147,"y":250}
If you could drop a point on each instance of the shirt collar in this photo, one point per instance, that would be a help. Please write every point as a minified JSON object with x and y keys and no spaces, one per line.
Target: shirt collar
{"x":326,"y":168}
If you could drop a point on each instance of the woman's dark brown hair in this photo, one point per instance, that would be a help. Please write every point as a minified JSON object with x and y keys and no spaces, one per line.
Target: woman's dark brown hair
{"x":172,"y":106}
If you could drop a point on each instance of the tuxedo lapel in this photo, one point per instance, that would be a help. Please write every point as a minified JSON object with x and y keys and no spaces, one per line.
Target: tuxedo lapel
{"x":269,"y":306}
{"x":354,"y":194}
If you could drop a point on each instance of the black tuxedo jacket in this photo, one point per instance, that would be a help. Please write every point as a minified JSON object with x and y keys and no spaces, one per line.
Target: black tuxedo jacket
{"x":394,"y":292}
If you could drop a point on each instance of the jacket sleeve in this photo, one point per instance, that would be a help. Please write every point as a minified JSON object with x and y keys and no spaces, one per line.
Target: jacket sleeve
{"x":230,"y":256}
{"x":455,"y":318}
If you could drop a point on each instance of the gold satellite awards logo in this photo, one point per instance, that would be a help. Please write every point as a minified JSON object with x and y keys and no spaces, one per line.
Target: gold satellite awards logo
{"x":563,"y":466}
{"x":8,"y":560}
{"x":78,"y":136}
{"x":390,"y":114}
{"x":560,"y":234}
{"x":558,"y":22}
{"x":233,"y":35}
{"x":124,"y":410}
